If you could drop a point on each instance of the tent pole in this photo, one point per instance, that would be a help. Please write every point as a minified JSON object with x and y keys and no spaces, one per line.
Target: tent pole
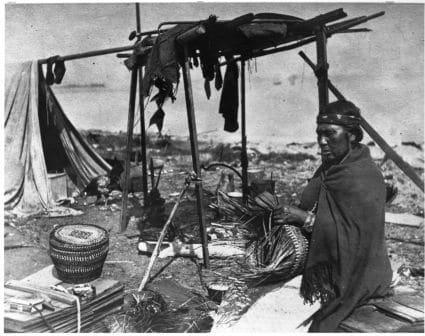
{"x":195,"y":155}
{"x":244,"y":156}
{"x":143,"y":138}
{"x":130,"y":124}
{"x":138,"y":26}
{"x":322,"y":68}
{"x":89,"y":54}
{"x":142,"y":118}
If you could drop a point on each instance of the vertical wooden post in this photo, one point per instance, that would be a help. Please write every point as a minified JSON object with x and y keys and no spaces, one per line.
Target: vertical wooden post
{"x":143,"y":137}
{"x":130,"y":124}
{"x":142,"y":118}
{"x":195,"y":154}
{"x":322,"y":67}
{"x":244,"y":156}
{"x":138,"y":26}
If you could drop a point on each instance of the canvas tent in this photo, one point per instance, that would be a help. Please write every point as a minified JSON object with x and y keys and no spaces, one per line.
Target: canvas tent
{"x":40,"y":139}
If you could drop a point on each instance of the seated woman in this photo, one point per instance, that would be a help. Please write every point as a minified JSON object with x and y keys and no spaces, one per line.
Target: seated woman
{"x":343,"y":208}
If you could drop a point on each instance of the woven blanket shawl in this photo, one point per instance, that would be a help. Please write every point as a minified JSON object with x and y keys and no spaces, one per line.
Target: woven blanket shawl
{"x":348,"y":262}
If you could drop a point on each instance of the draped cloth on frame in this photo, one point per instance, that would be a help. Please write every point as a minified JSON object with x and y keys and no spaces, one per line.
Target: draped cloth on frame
{"x":27,"y":188}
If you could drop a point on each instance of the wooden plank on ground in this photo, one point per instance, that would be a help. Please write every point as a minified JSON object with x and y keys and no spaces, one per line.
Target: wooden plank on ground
{"x":368,"y":319}
{"x":412,"y":301}
{"x":405,"y":219}
{"x":399,"y":311}
{"x":417,"y":327}
{"x":31,"y":288}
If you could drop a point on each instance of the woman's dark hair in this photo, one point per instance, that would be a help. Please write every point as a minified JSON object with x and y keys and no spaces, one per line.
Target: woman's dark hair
{"x":346,"y":108}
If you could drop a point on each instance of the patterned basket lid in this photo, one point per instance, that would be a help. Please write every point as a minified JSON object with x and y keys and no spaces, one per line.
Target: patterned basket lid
{"x":80,"y":234}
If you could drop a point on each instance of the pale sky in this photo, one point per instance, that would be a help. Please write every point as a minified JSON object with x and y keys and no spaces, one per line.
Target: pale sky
{"x":382,"y":71}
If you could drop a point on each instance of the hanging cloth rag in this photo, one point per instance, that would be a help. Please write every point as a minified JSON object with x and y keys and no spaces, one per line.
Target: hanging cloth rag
{"x":163,"y":60}
{"x":218,"y":83}
{"x":207,"y":88}
{"x":56,"y":74}
{"x":50,"y":77}
{"x":158,"y":119}
{"x":59,"y":71}
{"x":229,"y":100}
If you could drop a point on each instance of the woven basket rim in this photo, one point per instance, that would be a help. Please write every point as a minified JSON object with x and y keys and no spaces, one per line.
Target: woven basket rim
{"x":103,"y":236}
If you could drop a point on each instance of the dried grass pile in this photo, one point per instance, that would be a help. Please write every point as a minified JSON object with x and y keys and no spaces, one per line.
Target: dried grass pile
{"x":150,"y":313}
{"x":192,"y":317}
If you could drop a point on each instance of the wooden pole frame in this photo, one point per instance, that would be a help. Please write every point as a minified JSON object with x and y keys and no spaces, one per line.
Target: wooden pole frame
{"x":130,"y":125}
{"x":195,"y":154}
{"x":244,"y":156}
{"x":322,"y":67}
{"x":88,"y":54}
{"x":335,"y":29}
{"x":142,"y":116}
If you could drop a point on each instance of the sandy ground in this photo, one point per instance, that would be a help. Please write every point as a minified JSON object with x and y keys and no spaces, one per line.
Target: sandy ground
{"x":281,"y":309}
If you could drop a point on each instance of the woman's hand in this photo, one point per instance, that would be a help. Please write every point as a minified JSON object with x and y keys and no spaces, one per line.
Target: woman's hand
{"x":289,"y":215}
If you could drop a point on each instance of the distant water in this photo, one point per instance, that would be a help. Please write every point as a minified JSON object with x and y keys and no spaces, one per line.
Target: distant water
{"x":273,"y":117}
{"x":100,"y":108}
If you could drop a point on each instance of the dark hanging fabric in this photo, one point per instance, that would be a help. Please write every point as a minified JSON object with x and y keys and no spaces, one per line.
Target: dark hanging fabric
{"x":163,"y":60}
{"x":208,"y":57}
{"x":50,"y":77}
{"x":208,"y":49}
{"x":262,"y":34}
{"x":148,"y":41}
{"x":218,"y":78}
{"x":229,"y":100}
{"x":158,"y":119}
{"x":195,"y":61}
{"x":165,"y":91}
{"x":56,"y":74}
{"x":59,"y":71}
{"x":207,"y":88}
{"x":347,"y":263}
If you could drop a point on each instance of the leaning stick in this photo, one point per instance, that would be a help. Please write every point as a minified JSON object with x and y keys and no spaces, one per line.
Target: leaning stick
{"x":155,"y":252}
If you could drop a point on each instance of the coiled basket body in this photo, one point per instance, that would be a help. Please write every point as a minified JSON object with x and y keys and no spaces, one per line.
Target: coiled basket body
{"x":78,"y":251}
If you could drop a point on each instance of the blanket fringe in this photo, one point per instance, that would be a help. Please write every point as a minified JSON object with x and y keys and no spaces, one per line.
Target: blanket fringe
{"x":318,"y":284}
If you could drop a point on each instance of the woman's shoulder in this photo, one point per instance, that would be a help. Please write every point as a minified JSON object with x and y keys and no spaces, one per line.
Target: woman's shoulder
{"x":359,"y":171}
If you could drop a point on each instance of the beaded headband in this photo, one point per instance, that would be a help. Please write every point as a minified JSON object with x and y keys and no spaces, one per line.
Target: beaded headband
{"x":338,"y":119}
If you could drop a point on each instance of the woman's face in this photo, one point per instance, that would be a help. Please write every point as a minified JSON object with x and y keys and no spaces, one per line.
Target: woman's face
{"x":334,"y":142}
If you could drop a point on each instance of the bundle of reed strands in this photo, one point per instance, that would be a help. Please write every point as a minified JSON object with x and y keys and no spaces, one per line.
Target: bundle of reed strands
{"x":150,"y":313}
{"x":230,"y":207}
{"x":280,"y":256}
{"x":274,"y":252}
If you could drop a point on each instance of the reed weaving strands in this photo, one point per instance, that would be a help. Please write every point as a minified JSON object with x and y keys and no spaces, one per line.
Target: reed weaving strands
{"x":275,"y":253}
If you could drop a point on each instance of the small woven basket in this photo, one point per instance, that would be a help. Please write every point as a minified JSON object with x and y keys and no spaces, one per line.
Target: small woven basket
{"x":78,"y":251}
{"x":290,"y":249}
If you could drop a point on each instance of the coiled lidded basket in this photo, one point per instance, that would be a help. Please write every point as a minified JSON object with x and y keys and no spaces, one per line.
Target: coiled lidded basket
{"x":78,"y":251}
